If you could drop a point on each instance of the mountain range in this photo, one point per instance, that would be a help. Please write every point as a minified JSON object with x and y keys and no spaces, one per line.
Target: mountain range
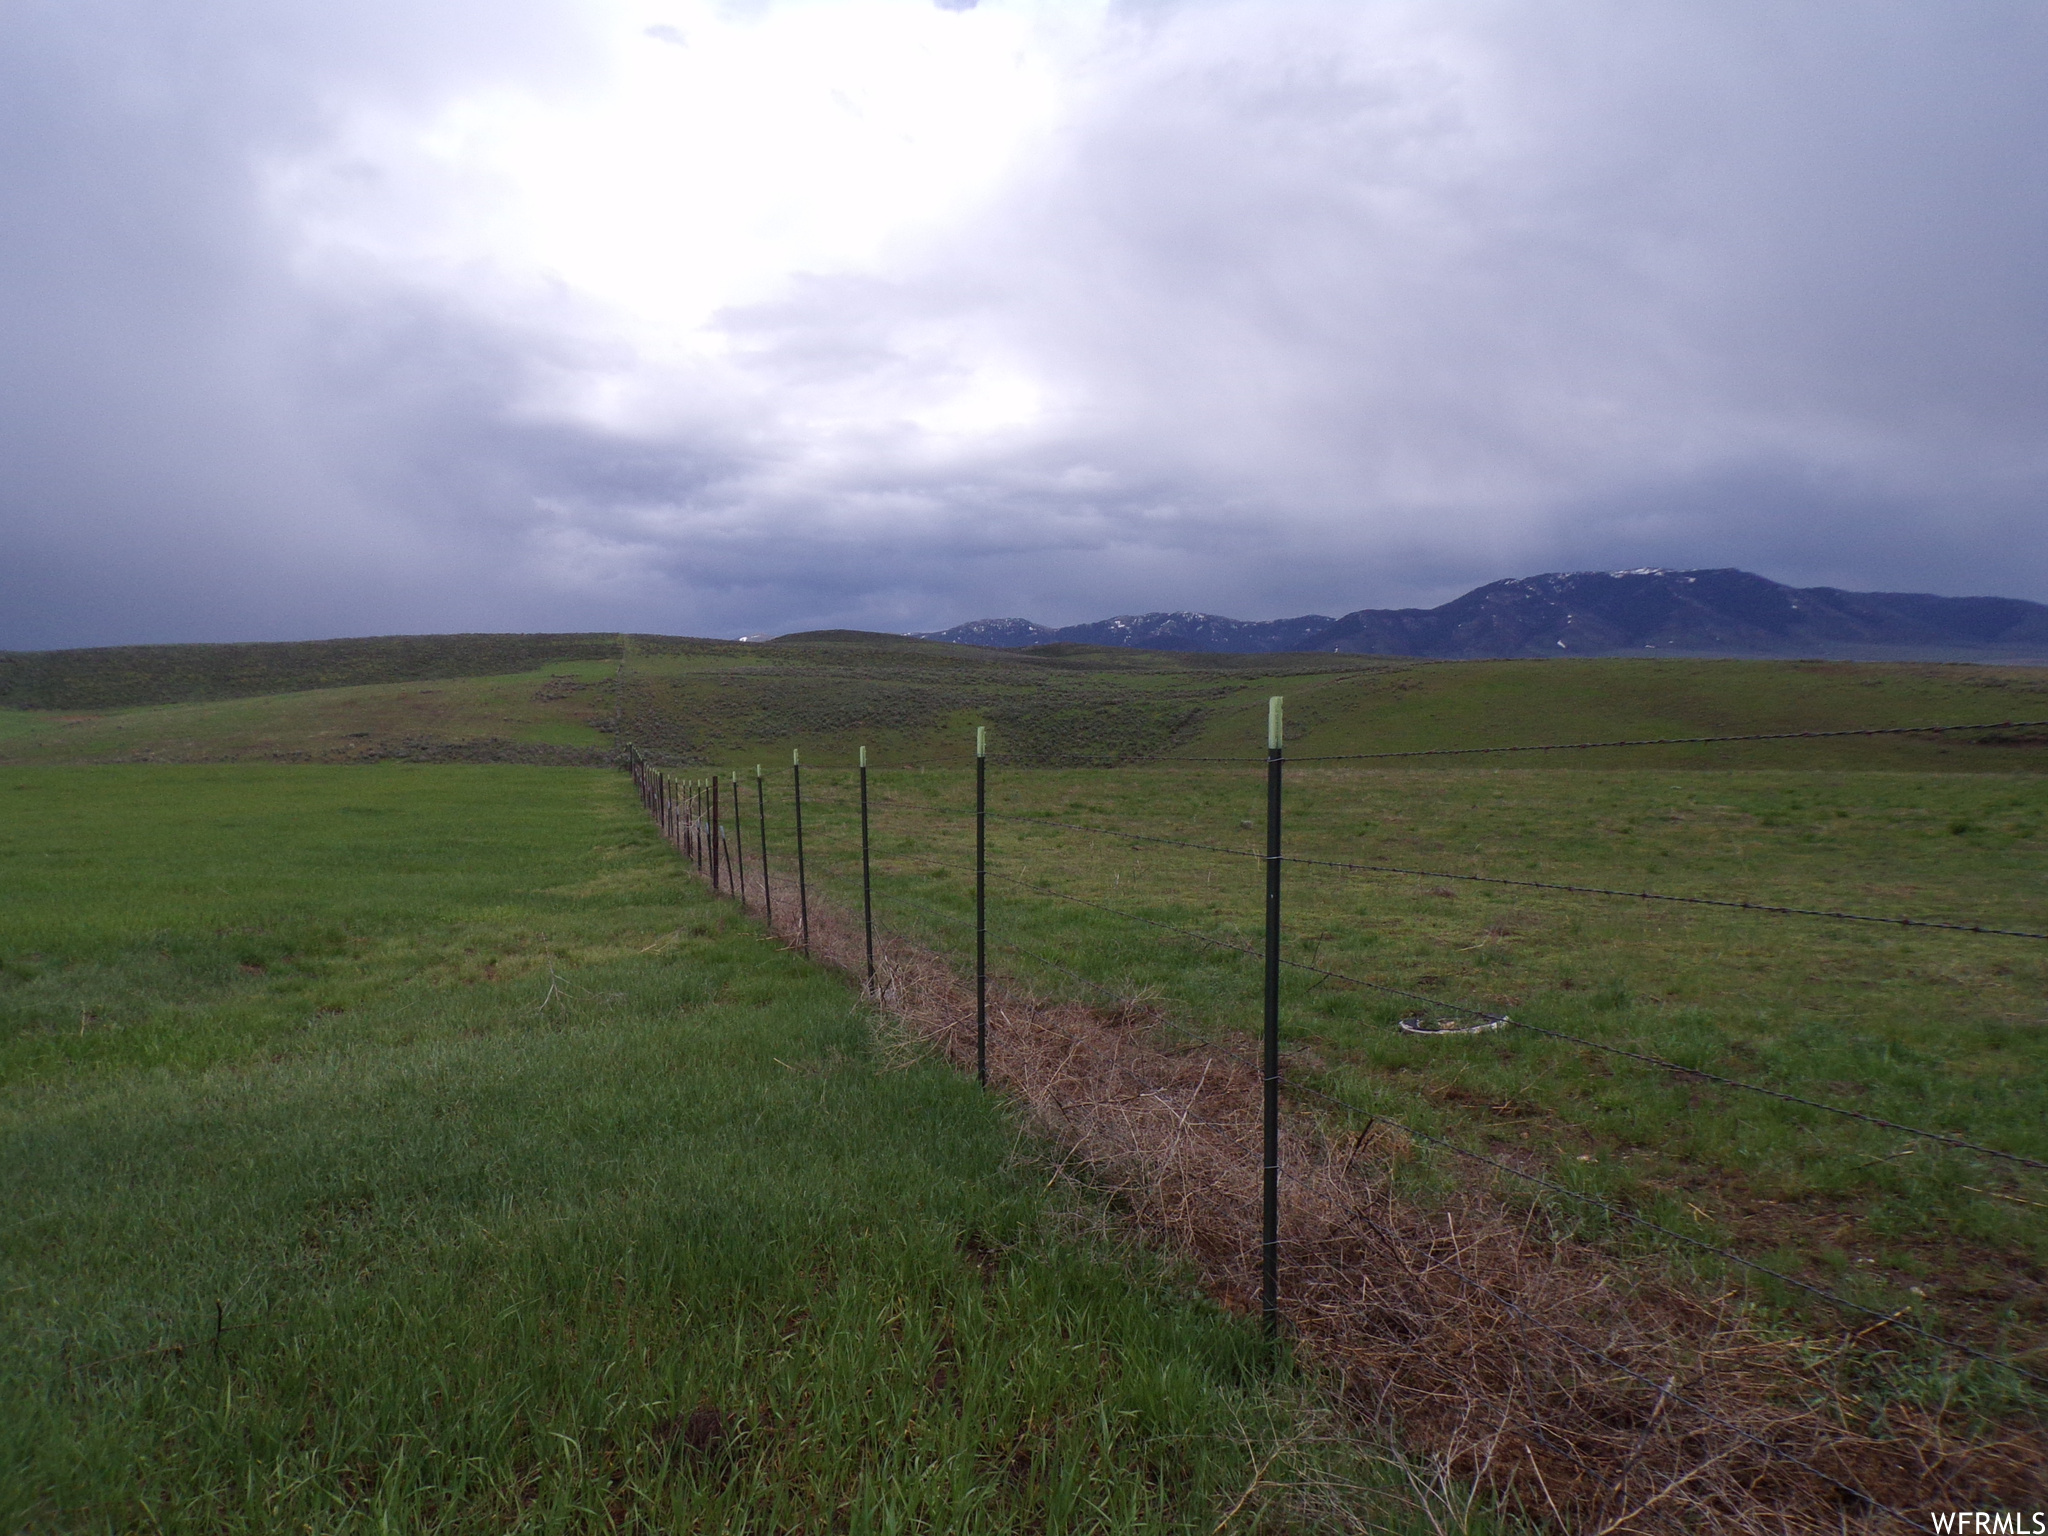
{"x":1594,"y":613}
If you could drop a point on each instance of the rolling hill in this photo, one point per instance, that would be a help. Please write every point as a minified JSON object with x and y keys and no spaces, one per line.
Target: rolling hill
{"x":727,"y":703}
{"x":116,"y":676}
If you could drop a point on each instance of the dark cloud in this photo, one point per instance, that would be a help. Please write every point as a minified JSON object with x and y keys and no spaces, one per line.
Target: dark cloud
{"x":1323,"y":306}
{"x":169,"y":472}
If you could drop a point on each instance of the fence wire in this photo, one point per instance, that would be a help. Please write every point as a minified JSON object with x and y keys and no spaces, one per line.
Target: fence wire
{"x":1650,"y":741}
{"x":1620,"y":1213}
{"x":1118,"y":834}
{"x":1897,"y":1319}
{"x":1943,"y":1137}
{"x":1767,"y":908}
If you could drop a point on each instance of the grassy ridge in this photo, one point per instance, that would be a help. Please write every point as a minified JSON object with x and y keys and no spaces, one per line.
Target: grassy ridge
{"x":707,"y":702}
{"x":121,"y":676}
{"x":421,"y":1149}
{"x":912,"y":700}
{"x":559,"y":713}
{"x":1078,"y":706}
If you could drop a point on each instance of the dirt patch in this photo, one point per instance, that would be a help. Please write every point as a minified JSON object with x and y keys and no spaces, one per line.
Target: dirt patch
{"x":560,"y":686}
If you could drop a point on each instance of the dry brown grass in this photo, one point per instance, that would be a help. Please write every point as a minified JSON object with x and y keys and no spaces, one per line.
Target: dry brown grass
{"x":1588,"y":1395}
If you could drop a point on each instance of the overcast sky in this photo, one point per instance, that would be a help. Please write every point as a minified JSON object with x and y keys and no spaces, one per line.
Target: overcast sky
{"x":702,"y":318}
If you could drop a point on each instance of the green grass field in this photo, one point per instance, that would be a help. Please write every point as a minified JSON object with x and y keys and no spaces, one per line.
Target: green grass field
{"x":303,"y":1061}
{"x":412,"y":1148}
{"x":1946,"y":1031}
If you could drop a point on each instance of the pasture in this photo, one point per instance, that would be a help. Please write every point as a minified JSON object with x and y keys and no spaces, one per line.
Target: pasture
{"x":425,"y":1143}
{"x":423,"y":1149}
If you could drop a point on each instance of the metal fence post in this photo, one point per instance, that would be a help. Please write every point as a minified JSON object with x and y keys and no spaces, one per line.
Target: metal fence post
{"x":1270,"y":1216}
{"x":867,"y":884}
{"x":803,"y":892}
{"x":761,"y":810}
{"x":739,"y":841}
{"x":981,"y":905}
{"x":715,"y":850}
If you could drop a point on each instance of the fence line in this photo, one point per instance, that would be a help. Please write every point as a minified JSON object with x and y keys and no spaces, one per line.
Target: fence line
{"x":1944,"y":1138}
{"x":1374,"y":1116}
{"x":678,"y":816}
{"x":1621,"y":1212}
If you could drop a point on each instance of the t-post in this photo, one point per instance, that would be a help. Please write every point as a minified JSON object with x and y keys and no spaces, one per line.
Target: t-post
{"x":1269,"y":1255}
{"x":739,"y":843}
{"x":867,"y":884}
{"x":761,"y":811}
{"x":803,"y":893}
{"x":981,"y":905}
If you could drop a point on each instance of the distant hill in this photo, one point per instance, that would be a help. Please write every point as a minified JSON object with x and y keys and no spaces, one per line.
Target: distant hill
{"x":1595,"y":613}
{"x":118,"y":676}
{"x":528,"y":699}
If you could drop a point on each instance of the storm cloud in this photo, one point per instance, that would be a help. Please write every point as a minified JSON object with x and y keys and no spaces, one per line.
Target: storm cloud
{"x":718,"y":319}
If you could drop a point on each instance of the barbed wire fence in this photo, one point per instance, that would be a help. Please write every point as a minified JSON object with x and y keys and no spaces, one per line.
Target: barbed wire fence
{"x":701,"y":820}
